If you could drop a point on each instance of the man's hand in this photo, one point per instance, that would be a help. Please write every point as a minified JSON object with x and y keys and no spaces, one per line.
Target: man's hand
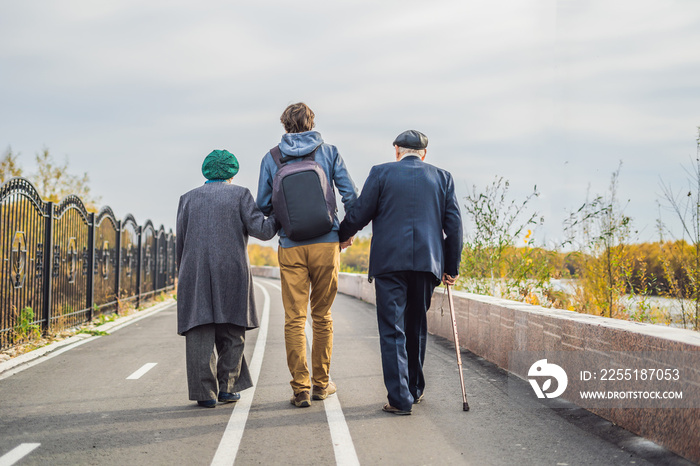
{"x":449,"y":279}
{"x":347,"y":243}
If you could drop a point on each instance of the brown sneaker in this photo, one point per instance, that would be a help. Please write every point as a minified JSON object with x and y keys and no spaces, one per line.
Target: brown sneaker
{"x":322,"y":393}
{"x":301,"y":399}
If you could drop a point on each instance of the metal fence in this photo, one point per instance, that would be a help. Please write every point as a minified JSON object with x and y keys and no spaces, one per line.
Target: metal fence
{"x":62,"y":265}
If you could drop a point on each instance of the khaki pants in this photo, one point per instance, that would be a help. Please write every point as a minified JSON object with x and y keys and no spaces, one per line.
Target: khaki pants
{"x":301,"y":267}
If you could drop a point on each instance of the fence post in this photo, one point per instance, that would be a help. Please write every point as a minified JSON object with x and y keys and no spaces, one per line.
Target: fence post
{"x":138,"y":269}
{"x":173,"y":258}
{"x":174,"y":274}
{"x":156,"y":253}
{"x":118,"y":265}
{"x":48,"y":268}
{"x":91,"y":266}
{"x":168,"y":259}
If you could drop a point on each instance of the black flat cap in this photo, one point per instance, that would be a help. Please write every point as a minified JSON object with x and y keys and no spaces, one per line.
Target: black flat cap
{"x":411,"y":139}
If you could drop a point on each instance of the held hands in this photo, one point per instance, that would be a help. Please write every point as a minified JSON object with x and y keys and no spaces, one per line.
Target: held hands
{"x":449,"y":279}
{"x":347,"y":243}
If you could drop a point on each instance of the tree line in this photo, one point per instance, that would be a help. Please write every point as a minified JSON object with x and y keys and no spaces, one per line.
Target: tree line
{"x":598,"y":268}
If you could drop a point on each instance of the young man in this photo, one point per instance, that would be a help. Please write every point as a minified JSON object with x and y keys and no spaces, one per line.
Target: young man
{"x":310,"y":263}
{"x":416,"y":242}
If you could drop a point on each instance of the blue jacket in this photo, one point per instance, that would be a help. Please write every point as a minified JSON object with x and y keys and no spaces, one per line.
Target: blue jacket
{"x":416,"y":222}
{"x":327,"y":156}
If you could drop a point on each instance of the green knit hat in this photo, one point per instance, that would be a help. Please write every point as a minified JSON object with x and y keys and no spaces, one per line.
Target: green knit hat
{"x":220,"y":165}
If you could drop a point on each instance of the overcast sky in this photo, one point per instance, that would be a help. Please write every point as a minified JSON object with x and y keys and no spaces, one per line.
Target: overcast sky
{"x":547,"y":93}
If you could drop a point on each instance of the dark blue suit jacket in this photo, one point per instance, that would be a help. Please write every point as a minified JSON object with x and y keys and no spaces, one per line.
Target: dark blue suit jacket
{"x":416,"y":222}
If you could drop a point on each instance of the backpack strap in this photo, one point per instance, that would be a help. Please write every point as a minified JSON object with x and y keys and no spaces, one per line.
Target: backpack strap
{"x":280,"y":160}
{"x":277,"y":156}
{"x":312,"y":155}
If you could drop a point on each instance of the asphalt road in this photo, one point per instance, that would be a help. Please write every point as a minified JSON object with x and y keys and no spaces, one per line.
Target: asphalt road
{"x":90,"y":405}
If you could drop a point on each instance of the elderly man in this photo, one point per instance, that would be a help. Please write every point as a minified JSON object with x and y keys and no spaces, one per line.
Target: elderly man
{"x":416,"y":242}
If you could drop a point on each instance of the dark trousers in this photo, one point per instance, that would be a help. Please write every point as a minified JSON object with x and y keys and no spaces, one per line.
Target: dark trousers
{"x":403,"y":299}
{"x":215,"y":361}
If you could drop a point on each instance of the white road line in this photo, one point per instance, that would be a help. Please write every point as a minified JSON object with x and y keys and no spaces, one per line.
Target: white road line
{"x":44,"y":354}
{"x":53,"y":354}
{"x":139,"y":373}
{"x":231,"y":440}
{"x":17,"y":453}
{"x":112,"y":327}
{"x":343,"y":446}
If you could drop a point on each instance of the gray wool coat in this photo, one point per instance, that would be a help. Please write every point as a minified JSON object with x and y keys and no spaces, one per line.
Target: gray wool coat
{"x":215,"y":284}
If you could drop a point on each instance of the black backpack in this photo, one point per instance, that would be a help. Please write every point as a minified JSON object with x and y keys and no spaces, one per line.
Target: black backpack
{"x":302,"y":198}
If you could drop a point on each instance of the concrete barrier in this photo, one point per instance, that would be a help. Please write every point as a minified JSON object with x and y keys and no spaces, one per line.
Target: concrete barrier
{"x":496,"y":329}
{"x":267,"y":272}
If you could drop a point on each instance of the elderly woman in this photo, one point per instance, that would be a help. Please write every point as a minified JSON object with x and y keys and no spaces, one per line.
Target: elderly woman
{"x":215,"y":301}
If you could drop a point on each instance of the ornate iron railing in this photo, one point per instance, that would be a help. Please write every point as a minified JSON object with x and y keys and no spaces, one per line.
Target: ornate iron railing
{"x":61,"y":265}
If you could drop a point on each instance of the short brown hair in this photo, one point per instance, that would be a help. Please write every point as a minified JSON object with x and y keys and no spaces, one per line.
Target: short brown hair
{"x":298,"y":118}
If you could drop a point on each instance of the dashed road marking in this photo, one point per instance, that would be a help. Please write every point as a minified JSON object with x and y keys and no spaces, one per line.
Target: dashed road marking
{"x":17,"y":453}
{"x":139,"y":373}
{"x":48,"y":352}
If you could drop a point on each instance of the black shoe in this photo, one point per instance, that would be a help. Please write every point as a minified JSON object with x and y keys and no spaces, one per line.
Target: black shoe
{"x":226,"y":397}
{"x":207,"y":403}
{"x":390,"y":409}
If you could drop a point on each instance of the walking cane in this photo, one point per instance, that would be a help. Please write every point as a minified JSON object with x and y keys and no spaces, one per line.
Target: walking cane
{"x":465,"y":405}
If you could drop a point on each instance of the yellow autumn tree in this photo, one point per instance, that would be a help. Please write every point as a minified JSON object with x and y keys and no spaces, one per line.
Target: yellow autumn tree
{"x":355,"y":259}
{"x":52,"y":180}
{"x":262,"y":255}
{"x":8,"y":166}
